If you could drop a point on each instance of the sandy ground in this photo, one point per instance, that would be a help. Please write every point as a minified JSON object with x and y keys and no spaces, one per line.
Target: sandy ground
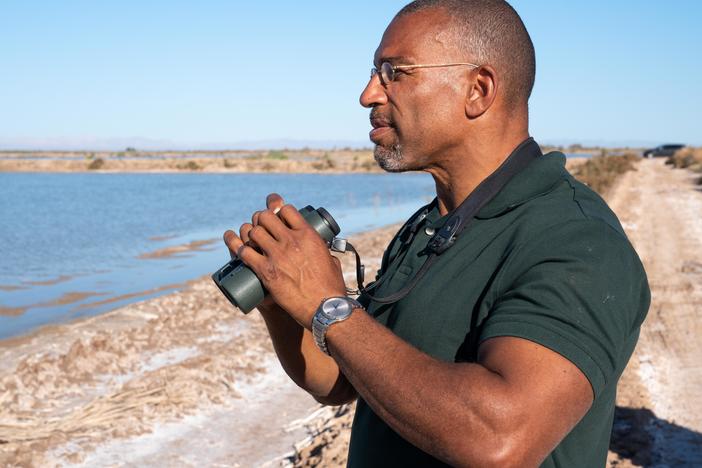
{"x":186,"y":380}
{"x":660,"y":398}
{"x":183,"y":380}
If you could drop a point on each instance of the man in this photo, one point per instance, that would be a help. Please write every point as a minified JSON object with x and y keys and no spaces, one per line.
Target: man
{"x":508,"y":350}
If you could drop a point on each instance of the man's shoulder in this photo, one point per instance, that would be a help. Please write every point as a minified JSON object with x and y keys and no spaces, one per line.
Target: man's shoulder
{"x":570,"y":201}
{"x":571,"y":225}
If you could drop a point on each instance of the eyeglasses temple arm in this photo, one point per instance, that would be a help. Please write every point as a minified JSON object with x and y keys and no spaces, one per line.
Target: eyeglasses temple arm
{"x":433,"y":65}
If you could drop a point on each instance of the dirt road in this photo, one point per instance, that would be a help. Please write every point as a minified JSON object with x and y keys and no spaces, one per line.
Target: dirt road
{"x":660,"y":395}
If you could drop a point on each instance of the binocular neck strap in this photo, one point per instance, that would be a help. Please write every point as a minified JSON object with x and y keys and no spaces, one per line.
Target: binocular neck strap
{"x":458,"y":221}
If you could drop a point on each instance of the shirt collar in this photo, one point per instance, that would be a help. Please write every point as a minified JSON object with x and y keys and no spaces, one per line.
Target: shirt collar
{"x":537,"y":179}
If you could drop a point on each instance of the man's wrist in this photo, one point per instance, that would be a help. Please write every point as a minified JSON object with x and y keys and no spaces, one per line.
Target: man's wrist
{"x":330,"y":312}
{"x":269,"y":308}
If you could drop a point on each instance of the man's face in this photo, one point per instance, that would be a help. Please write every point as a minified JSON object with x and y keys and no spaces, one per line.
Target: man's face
{"x":418,"y":116}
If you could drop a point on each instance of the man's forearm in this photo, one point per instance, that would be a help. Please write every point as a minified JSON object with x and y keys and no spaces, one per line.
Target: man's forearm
{"x":306,"y":365}
{"x":424,"y":400}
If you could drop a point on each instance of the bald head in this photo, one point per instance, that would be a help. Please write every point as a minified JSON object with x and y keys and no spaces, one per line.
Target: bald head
{"x":489,"y":32}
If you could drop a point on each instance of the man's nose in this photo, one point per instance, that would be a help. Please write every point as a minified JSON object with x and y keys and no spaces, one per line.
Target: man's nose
{"x":374,"y":93}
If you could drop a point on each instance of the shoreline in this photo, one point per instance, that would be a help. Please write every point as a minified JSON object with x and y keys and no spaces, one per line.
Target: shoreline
{"x":74,"y":390}
{"x":235,"y":162}
{"x":259,"y":162}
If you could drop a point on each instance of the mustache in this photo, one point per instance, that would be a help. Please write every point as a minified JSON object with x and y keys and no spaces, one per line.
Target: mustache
{"x":378,"y":120}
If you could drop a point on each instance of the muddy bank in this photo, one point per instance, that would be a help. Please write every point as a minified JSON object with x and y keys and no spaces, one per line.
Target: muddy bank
{"x":184,"y":378}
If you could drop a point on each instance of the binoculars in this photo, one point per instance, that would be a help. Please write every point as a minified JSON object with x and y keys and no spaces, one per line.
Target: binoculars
{"x":240,"y":284}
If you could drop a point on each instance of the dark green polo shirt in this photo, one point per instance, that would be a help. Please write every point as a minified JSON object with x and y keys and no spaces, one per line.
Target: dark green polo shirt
{"x":545,"y":260}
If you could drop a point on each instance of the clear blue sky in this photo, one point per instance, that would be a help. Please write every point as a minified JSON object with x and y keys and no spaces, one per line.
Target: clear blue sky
{"x":230,"y":71}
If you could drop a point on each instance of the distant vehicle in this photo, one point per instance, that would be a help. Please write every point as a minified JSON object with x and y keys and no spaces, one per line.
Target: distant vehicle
{"x":662,"y":150}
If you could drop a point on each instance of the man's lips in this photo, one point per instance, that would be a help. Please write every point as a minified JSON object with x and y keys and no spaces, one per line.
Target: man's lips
{"x":378,"y":133}
{"x":381,"y":127}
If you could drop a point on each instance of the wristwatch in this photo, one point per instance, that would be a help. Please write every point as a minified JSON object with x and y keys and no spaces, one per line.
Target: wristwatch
{"x":330,"y":311}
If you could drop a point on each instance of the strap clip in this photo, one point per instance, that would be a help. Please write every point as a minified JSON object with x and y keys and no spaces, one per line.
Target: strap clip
{"x":446,"y":236}
{"x":338,"y":245}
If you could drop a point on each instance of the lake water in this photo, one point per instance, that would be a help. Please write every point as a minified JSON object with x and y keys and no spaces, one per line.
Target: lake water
{"x":73,"y":245}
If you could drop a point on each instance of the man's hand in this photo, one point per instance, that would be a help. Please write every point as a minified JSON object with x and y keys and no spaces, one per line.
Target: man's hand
{"x":294,"y":345}
{"x":233,"y":242}
{"x":290,"y":258}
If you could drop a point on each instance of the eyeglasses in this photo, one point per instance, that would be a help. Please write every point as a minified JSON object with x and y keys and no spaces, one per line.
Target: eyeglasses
{"x":388,"y":71}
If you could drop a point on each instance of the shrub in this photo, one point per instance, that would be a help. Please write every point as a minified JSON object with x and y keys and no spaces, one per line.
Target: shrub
{"x":279,"y":155}
{"x":369,"y":165}
{"x":325,"y":163}
{"x":600,"y":172}
{"x":190,"y":166}
{"x":687,"y":158}
{"x":96,"y":164}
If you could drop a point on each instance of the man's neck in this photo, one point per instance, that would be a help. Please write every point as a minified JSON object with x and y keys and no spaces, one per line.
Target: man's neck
{"x":458,"y":175}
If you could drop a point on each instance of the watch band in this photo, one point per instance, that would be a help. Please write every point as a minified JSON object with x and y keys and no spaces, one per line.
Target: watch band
{"x":338,"y":309}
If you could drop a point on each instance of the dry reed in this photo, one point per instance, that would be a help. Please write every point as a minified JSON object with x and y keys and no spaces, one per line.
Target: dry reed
{"x":600,"y":172}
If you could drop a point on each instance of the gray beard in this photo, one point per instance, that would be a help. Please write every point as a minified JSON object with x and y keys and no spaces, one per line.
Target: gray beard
{"x":390,"y":159}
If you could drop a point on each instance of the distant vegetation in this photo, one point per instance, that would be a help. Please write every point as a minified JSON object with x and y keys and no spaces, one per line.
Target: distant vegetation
{"x":96,"y":164}
{"x":190,"y":166}
{"x":325,"y":163}
{"x":279,"y":155}
{"x":131,"y":159}
{"x":687,"y":158}
{"x":600,"y":172}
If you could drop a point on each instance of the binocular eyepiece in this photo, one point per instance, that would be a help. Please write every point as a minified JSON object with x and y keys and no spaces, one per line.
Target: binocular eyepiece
{"x":239,"y":283}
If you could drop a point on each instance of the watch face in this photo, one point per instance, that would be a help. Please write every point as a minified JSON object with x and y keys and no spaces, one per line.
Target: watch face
{"x":336,"y":307}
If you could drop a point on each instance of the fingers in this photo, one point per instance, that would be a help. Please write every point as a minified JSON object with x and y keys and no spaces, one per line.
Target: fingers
{"x":273,"y":224}
{"x":233,"y":242}
{"x":292,"y":217}
{"x":254,"y":218}
{"x":244,"y":231}
{"x":266,"y":218}
{"x":274,"y":202}
{"x":257,"y":262}
{"x":262,"y":238}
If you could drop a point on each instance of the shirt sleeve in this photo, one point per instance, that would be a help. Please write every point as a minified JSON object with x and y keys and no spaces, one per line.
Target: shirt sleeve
{"x":580,"y":290}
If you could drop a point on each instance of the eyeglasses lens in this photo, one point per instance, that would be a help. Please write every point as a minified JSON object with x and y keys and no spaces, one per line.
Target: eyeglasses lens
{"x":387,"y":72}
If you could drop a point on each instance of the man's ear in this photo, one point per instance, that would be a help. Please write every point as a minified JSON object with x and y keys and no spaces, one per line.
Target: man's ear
{"x":482,"y":91}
